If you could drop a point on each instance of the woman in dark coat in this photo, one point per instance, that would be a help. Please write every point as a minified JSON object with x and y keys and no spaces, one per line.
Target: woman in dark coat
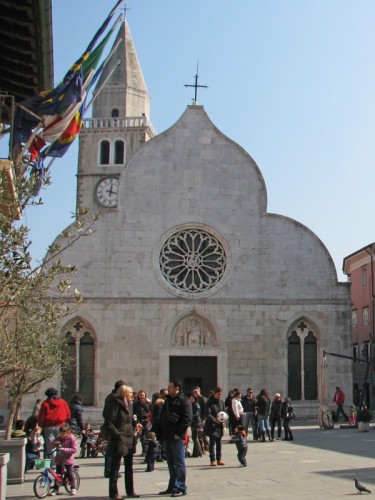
{"x":76,"y":411}
{"x":120,"y":424}
{"x":213,"y":428}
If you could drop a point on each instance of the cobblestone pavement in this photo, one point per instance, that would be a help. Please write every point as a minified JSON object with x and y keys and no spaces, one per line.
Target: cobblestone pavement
{"x":317,"y":464}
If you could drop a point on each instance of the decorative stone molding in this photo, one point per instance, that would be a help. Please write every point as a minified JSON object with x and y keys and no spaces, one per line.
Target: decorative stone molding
{"x":193,"y":331}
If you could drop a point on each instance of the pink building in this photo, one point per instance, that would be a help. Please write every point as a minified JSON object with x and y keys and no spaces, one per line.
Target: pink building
{"x":360,"y":269}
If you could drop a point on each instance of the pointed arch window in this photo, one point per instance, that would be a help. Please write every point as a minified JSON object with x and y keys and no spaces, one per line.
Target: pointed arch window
{"x":105,"y":150}
{"x":79,"y":373}
{"x":302,"y":364}
{"x":119,"y":152}
{"x":115,"y":113}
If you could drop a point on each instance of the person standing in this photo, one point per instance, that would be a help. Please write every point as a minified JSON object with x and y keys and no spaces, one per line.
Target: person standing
{"x":175,"y":418}
{"x":263,"y":408}
{"x":110,"y":398}
{"x":76,"y":411}
{"x":248,"y":404}
{"x":287,"y":413}
{"x":237,"y":408}
{"x":275,"y":416}
{"x":197,"y":393}
{"x":141,"y":409}
{"x":121,"y":427}
{"x":214,"y":429}
{"x":54,"y":412}
{"x":339,"y":399}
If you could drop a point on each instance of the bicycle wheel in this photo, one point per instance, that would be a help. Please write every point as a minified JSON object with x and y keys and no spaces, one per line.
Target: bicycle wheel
{"x":42,"y":485}
{"x":68,"y":482}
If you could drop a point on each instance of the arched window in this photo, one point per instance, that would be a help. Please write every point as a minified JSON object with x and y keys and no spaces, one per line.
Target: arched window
{"x":104,"y":152}
{"x":68,"y":387}
{"x":302,"y":364}
{"x":86,"y":368}
{"x":310,"y":366}
{"x":119,"y":152}
{"x":294,"y":366}
{"x":79,"y":371}
{"x":115,"y":113}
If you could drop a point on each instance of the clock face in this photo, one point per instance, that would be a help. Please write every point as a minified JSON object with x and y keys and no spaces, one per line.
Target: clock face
{"x":107,"y":192}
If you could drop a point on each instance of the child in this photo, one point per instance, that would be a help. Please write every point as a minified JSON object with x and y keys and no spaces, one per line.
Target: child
{"x":88,"y":438}
{"x":151,"y":451}
{"x":352,"y":415}
{"x":34,"y":445}
{"x":19,"y":431}
{"x":66,"y":445}
{"x":287,"y":413}
{"x":241,"y":444}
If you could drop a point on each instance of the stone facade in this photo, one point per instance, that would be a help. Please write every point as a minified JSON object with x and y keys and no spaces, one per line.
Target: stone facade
{"x":223,"y":310}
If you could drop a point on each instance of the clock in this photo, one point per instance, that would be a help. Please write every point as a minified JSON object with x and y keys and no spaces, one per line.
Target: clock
{"x":107,"y":191}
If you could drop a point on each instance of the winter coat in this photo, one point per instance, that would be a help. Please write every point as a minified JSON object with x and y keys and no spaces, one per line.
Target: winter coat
{"x":76,"y":410}
{"x":175,"y":417}
{"x":141,"y":410}
{"x":213,"y":407}
{"x":263,"y":405}
{"x":276,"y":408}
{"x":119,"y":423}
{"x":67,"y":450}
{"x":237,"y":408}
{"x":155,"y":418}
{"x":54,"y":412}
{"x":248,"y":404}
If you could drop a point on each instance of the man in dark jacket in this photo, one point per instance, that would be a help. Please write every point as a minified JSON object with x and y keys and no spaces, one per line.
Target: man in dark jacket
{"x":111,"y":398}
{"x":175,"y":418}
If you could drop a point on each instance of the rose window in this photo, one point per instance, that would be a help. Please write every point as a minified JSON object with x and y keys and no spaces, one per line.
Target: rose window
{"x":192,"y":261}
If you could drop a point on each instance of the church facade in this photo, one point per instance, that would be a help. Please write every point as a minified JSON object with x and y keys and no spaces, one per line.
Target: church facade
{"x":187,"y":275}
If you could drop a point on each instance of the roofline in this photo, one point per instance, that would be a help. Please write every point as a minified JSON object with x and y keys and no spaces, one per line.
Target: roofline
{"x":364,"y":249}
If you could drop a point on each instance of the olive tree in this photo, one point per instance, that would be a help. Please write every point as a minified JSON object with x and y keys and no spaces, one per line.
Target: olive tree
{"x":34,"y":298}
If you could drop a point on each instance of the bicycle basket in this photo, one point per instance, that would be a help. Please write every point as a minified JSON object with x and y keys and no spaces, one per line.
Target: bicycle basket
{"x":42,"y":463}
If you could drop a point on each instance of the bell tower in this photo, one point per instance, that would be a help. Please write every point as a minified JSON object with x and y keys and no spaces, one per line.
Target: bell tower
{"x":118,"y":127}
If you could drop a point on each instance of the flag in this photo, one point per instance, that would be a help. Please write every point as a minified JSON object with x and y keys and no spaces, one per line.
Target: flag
{"x":93,"y":42}
{"x":66,"y":95}
{"x":35,"y":147}
{"x":58,"y":148}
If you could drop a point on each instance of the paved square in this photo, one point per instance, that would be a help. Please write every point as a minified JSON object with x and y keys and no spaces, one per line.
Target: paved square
{"x":317,"y":464}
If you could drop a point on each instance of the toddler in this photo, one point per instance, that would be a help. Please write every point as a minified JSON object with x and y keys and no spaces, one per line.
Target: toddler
{"x":241,"y":444}
{"x":151,"y":451}
{"x":352,"y":415}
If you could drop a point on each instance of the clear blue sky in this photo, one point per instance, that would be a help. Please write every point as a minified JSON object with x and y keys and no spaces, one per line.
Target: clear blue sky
{"x":291,"y":81}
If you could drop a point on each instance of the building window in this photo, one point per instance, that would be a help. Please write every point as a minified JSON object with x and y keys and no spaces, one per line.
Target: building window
{"x":355,"y":353}
{"x":192,"y":261}
{"x":104,"y":152}
{"x":78,"y":375}
{"x":364,"y":277}
{"x":365,"y":351}
{"x":354,"y":319}
{"x":119,"y":152}
{"x":302,"y":364}
{"x":115,"y":113}
{"x":365,"y":316}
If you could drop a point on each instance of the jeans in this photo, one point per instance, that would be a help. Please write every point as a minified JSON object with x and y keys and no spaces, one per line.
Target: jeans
{"x":215,"y":442}
{"x":248,"y":417}
{"x":50,"y":433}
{"x":175,"y":453}
{"x":263,"y":423}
